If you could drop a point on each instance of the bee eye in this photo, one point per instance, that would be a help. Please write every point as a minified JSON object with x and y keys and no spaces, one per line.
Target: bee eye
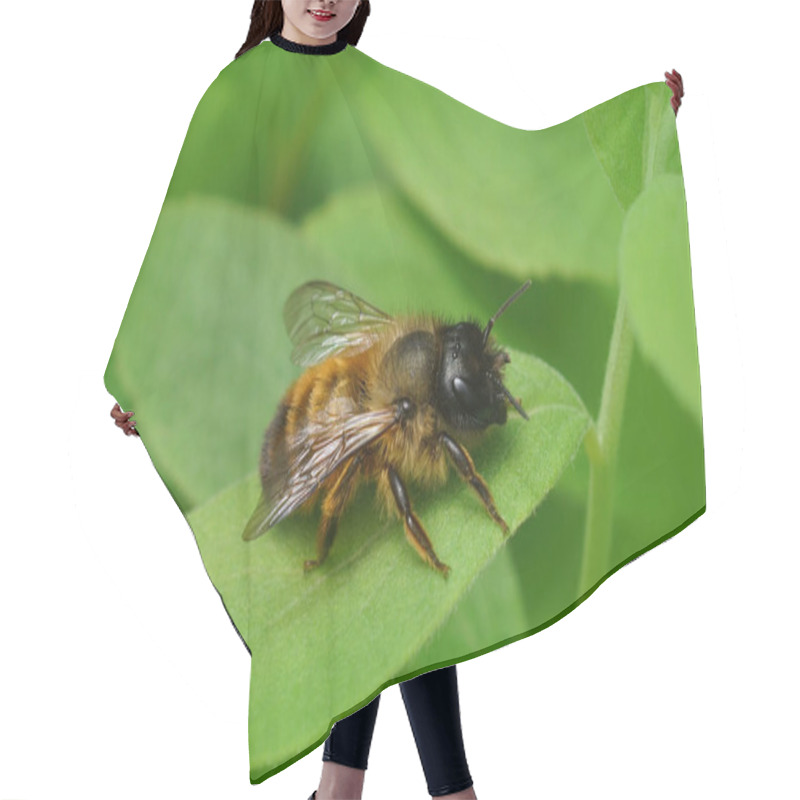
{"x":473,"y":401}
{"x":466,"y":396}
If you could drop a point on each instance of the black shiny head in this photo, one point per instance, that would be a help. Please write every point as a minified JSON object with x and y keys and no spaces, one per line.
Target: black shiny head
{"x":469,"y":384}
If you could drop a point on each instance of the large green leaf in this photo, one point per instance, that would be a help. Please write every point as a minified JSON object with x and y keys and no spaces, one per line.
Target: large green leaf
{"x":194,"y":357}
{"x":473,"y":176}
{"x":635,"y":139}
{"x":377,"y":234}
{"x":659,"y":486}
{"x":324,"y":642}
{"x":535,"y":580}
{"x":263,"y":134}
{"x":657,"y":282}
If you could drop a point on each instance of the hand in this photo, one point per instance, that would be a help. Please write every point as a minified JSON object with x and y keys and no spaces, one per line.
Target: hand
{"x":122,"y":419}
{"x":675,"y":82}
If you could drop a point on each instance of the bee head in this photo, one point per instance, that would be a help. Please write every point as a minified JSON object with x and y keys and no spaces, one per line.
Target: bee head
{"x":470,"y":389}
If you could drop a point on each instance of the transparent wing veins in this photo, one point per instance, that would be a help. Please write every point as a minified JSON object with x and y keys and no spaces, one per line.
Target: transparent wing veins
{"x":323,"y":319}
{"x":314,"y":455}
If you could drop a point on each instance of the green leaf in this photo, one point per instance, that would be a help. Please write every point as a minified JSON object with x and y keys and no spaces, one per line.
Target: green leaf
{"x":656,"y":278}
{"x":260,"y":106}
{"x":471,"y":175}
{"x":528,"y":585}
{"x":492,"y":610}
{"x":535,"y":580}
{"x":325,"y":641}
{"x":661,"y":472}
{"x":195,"y":355}
{"x":640,"y":121}
{"x":379,"y":235}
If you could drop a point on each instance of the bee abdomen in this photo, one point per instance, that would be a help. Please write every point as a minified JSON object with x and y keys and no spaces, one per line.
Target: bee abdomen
{"x":334,"y":387}
{"x":274,"y":456}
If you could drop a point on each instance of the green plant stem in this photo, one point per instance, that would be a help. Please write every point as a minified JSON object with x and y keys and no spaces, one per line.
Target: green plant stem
{"x":602,"y":444}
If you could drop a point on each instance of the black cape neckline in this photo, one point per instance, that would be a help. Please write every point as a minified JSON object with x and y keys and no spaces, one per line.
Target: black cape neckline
{"x":309,"y":49}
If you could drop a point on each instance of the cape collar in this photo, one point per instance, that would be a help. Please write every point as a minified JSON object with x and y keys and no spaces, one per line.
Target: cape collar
{"x":310,"y":49}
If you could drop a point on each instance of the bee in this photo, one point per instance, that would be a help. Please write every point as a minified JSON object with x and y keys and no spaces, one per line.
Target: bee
{"x":382,"y":400}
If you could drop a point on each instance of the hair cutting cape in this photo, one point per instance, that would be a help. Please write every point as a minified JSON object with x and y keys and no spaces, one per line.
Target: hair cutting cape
{"x":303,"y":167}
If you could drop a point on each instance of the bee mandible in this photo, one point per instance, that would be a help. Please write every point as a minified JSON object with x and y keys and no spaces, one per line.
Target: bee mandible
{"x":382,"y":399}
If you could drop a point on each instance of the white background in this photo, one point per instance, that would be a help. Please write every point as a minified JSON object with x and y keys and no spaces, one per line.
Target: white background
{"x":120,"y":674}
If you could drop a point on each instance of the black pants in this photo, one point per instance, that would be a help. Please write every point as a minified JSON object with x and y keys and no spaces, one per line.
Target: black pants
{"x":432,"y":705}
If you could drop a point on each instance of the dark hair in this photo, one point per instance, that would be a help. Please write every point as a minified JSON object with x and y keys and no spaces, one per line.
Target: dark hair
{"x":266,"y":18}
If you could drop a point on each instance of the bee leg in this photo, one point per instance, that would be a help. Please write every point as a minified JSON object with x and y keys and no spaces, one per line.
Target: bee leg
{"x":463,"y":463}
{"x":415,"y":533}
{"x":332,"y":507}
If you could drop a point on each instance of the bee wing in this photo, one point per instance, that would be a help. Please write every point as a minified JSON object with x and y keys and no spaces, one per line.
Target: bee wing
{"x":313,"y":455}
{"x":322,"y":319}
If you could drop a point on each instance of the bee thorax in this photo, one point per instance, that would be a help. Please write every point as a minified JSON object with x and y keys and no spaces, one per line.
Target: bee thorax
{"x":407,"y":369}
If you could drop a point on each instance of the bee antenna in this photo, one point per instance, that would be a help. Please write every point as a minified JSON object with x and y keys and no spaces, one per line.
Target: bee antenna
{"x":511,"y":399}
{"x":502,"y":309}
